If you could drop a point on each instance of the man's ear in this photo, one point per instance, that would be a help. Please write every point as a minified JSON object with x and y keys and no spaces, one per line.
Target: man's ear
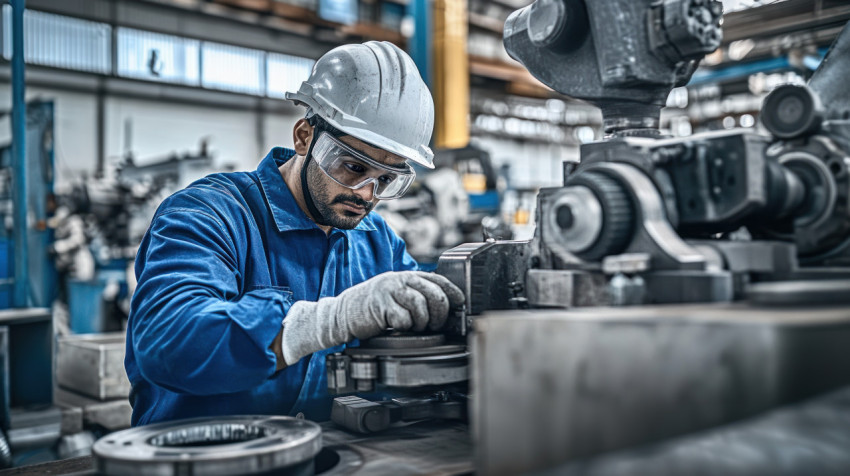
{"x":302,"y":136}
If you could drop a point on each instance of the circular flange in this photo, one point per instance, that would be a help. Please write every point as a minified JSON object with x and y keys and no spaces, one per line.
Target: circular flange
{"x":617,"y":215}
{"x":577,"y":214}
{"x":424,"y":370}
{"x":791,"y":111}
{"x":404,"y":341}
{"x":817,"y":178}
{"x":223,"y":445}
{"x":412,"y":352}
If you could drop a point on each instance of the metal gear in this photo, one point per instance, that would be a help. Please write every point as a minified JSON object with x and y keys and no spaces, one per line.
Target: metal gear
{"x":617,"y":211}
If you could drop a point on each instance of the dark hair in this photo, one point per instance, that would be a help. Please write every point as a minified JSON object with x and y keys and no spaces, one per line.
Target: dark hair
{"x":319,"y":123}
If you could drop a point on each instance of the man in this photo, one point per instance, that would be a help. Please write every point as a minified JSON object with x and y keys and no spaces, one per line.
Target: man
{"x":246,"y":281}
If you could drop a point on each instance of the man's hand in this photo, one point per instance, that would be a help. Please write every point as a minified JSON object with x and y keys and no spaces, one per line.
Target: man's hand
{"x":405,"y":300}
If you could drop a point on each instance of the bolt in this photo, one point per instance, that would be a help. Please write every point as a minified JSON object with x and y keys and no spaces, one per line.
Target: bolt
{"x":564,"y":216}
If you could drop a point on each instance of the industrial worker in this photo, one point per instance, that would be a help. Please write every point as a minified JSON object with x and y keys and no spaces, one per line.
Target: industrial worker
{"x":246,"y":281}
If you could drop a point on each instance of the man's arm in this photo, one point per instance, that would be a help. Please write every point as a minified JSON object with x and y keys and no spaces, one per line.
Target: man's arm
{"x":191,"y":330}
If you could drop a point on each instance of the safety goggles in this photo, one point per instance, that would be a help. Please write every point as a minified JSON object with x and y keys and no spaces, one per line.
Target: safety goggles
{"x":354,"y":170}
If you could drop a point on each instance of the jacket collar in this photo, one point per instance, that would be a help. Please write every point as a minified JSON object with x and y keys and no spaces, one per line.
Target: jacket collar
{"x":285,"y":210}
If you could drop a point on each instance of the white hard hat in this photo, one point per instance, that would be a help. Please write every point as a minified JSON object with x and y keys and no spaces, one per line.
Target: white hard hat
{"x":373,"y":92}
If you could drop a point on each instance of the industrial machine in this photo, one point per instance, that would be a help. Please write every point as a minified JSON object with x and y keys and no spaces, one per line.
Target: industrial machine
{"x":41,"y":274}
{"x":684,"y":306}
{"x":730,"y":217}
{"x":673,"y":284}
{"x":681,"y":285}
{"x":29,"y":422}
{"x":99,"y":224}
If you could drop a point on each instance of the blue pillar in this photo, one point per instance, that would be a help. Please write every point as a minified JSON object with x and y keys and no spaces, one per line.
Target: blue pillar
{"x":19,"y":157}
{"x":420,"y":44}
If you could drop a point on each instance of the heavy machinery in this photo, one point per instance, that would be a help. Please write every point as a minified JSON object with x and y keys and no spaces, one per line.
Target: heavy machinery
{"x":689,"y":283}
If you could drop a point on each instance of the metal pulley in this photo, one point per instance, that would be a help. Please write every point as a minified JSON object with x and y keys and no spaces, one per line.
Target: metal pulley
{"x":226,"y":445}
{"x":398,"y":360}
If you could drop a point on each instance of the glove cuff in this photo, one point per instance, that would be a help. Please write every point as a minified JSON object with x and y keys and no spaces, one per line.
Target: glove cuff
{"x":296,"y":340}
{"x":310,"y":327}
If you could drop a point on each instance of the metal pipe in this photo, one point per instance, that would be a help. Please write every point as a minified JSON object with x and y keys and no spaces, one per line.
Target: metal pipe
{"x":19,"y":157}
{"x":419,"y":45}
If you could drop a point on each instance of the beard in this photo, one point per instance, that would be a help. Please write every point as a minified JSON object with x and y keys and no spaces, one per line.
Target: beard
{"x":319,"y":183}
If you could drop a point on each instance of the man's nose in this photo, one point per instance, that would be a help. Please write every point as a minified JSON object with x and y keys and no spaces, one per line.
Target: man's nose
{"x":366,"y":192}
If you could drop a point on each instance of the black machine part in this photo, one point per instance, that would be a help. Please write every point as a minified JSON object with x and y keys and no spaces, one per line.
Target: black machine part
{"x":830,"y":79}
{"x":400,"y":360}
{"x":796,"y":191}
{"x":632,"y":222}
{"x":791,"y":111}
{"x":624,"y":57}
{"x":617,"y":211}
{"x":365,"y":416}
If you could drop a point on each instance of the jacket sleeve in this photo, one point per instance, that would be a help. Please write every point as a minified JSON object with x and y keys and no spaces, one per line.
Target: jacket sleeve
{"x":193,"y":329}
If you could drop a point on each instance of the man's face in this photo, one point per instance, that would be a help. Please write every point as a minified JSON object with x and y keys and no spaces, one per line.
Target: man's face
{"x":342,"y":207}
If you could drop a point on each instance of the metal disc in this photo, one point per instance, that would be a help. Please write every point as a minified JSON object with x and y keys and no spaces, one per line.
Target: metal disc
{"x":212,"y":446}
{"x":412,"y":352}
{"x":404,"y":341}
{"x":424,"y":370}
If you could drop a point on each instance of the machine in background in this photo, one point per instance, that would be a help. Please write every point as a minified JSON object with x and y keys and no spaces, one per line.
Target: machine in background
{"x":30,"y":423}
{"x":458,"y":202}
{"x":100,"y":223}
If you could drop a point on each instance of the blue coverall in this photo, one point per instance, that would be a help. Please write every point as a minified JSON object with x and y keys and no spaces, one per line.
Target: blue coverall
{"x":219,"y":267}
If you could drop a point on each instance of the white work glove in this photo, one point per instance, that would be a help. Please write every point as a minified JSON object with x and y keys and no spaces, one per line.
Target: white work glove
{"x":403,"y":300}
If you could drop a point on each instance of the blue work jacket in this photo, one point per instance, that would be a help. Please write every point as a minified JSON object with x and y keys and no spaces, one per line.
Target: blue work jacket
{"x":219,"y":267}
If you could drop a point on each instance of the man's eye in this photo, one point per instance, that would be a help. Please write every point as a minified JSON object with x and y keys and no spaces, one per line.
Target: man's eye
{"x":386,"y":178}
{"x":356,"y":168}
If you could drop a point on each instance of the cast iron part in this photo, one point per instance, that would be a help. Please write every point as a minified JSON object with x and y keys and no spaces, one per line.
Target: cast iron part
{"x":820,"y":224}
{"x":399,"y":360}
{"x":624,"y":57}
{"x":791,"y":111}
{"x":366,"y":416}
{"x":617,"y":211}
{"x":491,"y":276}
{"x":224,"y":445}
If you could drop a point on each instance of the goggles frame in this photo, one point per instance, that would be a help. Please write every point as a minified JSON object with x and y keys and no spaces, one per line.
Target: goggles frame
{"x":329,"y":162}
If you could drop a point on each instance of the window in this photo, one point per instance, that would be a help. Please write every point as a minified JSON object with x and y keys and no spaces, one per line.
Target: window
{"x":157,"y":57}
{"x":231,"y":68}
{"x":286,"y":73}
{"x":60,"y":41}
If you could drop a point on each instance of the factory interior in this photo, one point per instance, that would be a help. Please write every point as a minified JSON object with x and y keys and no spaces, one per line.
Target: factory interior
{"x":609,"y":237}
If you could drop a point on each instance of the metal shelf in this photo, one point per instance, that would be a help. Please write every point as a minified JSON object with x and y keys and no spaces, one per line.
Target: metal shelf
{"x":784,"y":17}
{"x":486,"y":23}
{"x":516,"y":76}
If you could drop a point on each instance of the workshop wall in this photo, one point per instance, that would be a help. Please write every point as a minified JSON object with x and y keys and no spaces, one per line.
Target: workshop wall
{"x":158,"y":129}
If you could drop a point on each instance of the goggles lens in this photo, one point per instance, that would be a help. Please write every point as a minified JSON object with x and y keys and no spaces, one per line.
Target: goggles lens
{"x":354,"y":170}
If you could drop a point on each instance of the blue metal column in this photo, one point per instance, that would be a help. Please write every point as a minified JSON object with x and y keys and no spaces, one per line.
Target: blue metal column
{"x":19,"y":157}
{"x":420,"y":43}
